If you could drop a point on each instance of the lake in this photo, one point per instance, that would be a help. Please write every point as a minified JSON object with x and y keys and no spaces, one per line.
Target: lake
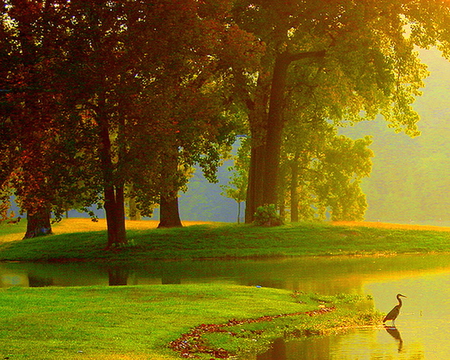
{"x":422,"y":329}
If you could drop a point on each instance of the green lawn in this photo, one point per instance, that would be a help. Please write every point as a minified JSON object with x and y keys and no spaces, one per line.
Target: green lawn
{"x":136,"y":322}
{"x":224,"y":240}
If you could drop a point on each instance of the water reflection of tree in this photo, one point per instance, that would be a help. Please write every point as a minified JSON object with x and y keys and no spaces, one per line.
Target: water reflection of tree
{"x":38,"y":281}
{"x":277,"y":351}
{"x":311,"y":348}
{"x":118,"y":275}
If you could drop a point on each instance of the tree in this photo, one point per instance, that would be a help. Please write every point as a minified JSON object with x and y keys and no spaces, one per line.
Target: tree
{"x":324,"y":169}
{"x":356,"y":55}
{"x":237,"y":186}
{"x":169,"y":212}
{"x":200,"y":121}
{"x":29,"y":103}
{"x":144,"y":81}
{"x":345,"y":162}
{"x":123,"y":84}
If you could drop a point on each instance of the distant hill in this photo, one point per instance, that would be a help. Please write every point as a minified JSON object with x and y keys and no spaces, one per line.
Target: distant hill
{"x":410,"y":181}
{"x":203,"y":201}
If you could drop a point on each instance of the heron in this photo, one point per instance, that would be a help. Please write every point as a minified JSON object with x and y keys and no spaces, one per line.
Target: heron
{"x":392,"y":315}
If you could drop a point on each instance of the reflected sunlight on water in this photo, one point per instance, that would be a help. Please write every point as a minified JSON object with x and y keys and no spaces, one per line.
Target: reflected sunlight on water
{"x":421,"y":333}
{"x":425,"y":314}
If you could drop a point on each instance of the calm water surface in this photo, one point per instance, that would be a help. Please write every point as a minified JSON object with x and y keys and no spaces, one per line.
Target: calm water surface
{"x":423,"y":328}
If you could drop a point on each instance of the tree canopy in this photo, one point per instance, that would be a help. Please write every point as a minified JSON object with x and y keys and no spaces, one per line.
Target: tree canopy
{"x":130,"y":88}
{"x":351,"y":59}
{"x":106,"y":100}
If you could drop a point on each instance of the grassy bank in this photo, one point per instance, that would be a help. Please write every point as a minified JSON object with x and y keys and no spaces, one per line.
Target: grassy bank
{"x":224,"y":240}
{"x":163,"y":321}
{"x":140,"y":322}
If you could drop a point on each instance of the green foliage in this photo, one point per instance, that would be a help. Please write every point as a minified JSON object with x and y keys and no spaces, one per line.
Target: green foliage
{"x":342,"y":63}
{"x":408,"y":183}
{"x":117,"y":94}
{"x":345,"y":163}
{"x":323,"y":170}
{"x":236,"y":188}
{"x":267,"y":216}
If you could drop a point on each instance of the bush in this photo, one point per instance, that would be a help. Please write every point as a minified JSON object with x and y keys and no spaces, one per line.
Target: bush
{"x":267,"y":216}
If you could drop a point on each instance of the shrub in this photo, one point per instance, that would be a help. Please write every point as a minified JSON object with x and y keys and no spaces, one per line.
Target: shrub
{"x":267,"y":216}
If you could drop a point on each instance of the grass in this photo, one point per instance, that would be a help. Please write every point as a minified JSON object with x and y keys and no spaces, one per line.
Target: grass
{"x":135,"y":322}
{"x":215,"y":240}
{"x":329,"y":314}
{"x":12,"y":232}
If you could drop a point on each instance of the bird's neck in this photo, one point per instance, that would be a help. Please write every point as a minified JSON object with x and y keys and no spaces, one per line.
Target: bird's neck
{"x":399,"y":301}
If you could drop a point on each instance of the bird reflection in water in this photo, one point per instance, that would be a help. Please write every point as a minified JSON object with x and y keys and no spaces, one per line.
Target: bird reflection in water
{"x":393,"y":331}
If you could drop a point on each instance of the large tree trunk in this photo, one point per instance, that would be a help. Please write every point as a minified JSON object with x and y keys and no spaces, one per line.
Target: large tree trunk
{"x":258,"y":120}
{"x":275,"y":126}
{"x":169,"y":215}
{"x":38,"y":223}
{"x":266,"y":133}
{"x":113,"y":190}
{"x":115,"y":215}
{"x":255,"y":183}
{"x":272,"y":138}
